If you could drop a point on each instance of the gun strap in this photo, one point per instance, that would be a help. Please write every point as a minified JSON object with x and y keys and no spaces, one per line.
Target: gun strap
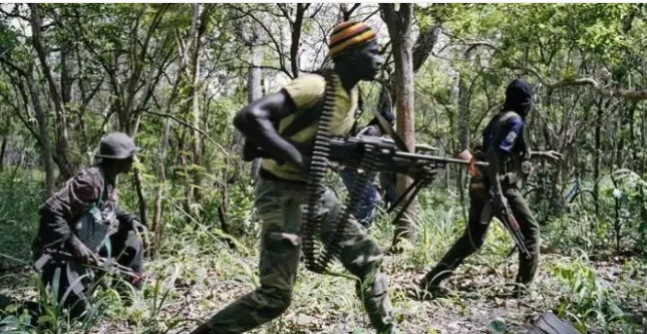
{"x":384,"y":124}
{"x":312,"y":115}
{"x":304,"y":119}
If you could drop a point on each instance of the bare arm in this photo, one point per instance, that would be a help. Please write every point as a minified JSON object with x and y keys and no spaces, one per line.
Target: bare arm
{"x":256,"y":122}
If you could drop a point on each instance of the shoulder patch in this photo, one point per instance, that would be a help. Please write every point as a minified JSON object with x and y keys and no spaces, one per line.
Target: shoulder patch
{"x":512,"y":135}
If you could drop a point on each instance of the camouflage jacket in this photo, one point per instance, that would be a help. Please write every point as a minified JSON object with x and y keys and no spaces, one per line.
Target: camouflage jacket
{"x":61,"y":212}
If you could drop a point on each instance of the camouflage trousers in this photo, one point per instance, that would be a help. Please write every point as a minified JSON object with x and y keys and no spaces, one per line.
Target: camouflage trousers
{"x":473,"y":238}
{"x":279,"y":206}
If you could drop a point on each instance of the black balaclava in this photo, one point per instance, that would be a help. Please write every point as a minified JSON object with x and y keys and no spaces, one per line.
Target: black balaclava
{"x":518,"y":97}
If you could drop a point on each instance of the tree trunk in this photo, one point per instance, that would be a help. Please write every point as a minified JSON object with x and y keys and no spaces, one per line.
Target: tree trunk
{"x":597,"y":157}
{"x":632,"y":138}
{"x":137,"y":181}
{"x":296,"y":38}
{"x":2,"y":151}
{"x":201,"y":13}
{"x":66,"y":166}
{"x":254,"y":84}
{"x":643,"y":142}
{"x":158,"y":224}
{"x":424,"y":44}
{"x":399,"y":24}
{"x":66,"y":79}
{"x":255,"y":74}
{"x":463,"y":134}
{"x":43,"y":133}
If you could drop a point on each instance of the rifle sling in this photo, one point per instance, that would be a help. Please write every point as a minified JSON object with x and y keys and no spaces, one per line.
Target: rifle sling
{"x":304,"y":119}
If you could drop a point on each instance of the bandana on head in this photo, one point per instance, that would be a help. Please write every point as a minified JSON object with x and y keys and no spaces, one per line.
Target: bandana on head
{"x":348,"y":35}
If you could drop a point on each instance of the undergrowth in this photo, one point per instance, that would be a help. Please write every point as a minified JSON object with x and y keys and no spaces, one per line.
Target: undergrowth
{"x":198,"y":273}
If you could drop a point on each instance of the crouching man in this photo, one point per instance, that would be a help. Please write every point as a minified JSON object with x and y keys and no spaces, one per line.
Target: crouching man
{"x":82,"y":228}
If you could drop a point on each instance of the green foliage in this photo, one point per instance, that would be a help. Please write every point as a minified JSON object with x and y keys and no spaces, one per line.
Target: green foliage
{"x":209,"y":245}
{"x":20,"y":197}
{"x":8,"y":39}
{"x":587,"y":298}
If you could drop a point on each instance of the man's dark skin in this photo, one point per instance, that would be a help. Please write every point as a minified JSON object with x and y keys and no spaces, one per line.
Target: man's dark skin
{"x":257,"y":120}
{"x":280,"y":239}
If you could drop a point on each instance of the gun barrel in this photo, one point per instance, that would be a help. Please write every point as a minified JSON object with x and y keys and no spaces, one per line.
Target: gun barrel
{"x":439,"y":159}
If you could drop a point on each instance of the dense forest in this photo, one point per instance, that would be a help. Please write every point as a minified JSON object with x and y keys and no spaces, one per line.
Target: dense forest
{"x":173,"y":76}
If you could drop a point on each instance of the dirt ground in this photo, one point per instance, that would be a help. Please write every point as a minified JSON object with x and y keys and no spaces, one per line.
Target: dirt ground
{"x":479,"y":298}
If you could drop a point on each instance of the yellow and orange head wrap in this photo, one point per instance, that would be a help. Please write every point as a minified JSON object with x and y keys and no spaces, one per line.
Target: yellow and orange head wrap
{"x":348,"y":35}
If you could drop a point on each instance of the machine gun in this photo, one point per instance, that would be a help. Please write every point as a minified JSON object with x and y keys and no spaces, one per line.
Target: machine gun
{"x":421,"y":167}
{"x":377,"y":154}
{"x":384,"y":155}
{"x":349,"y":152}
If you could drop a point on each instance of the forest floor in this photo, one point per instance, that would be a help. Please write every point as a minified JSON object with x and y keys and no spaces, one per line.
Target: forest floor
{"x":198,"y":273}
{"x":191,"y":283}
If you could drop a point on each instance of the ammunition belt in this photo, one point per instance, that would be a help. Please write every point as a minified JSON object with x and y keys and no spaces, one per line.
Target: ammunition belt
{"x":316,"y":174}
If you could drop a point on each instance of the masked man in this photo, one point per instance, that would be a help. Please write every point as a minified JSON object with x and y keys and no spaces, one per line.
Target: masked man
{"x":505,"y":150}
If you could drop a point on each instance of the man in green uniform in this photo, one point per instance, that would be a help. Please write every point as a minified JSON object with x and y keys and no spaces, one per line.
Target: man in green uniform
{"x":268,"y":123}
{"x":82,"y":221}
{"x":505,"y":150}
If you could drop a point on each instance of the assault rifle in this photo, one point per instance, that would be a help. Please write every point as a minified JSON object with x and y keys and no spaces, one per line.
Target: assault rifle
{"x":510,"y":222}
{"x":507,"y":218}
{"x":107,"y":265}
